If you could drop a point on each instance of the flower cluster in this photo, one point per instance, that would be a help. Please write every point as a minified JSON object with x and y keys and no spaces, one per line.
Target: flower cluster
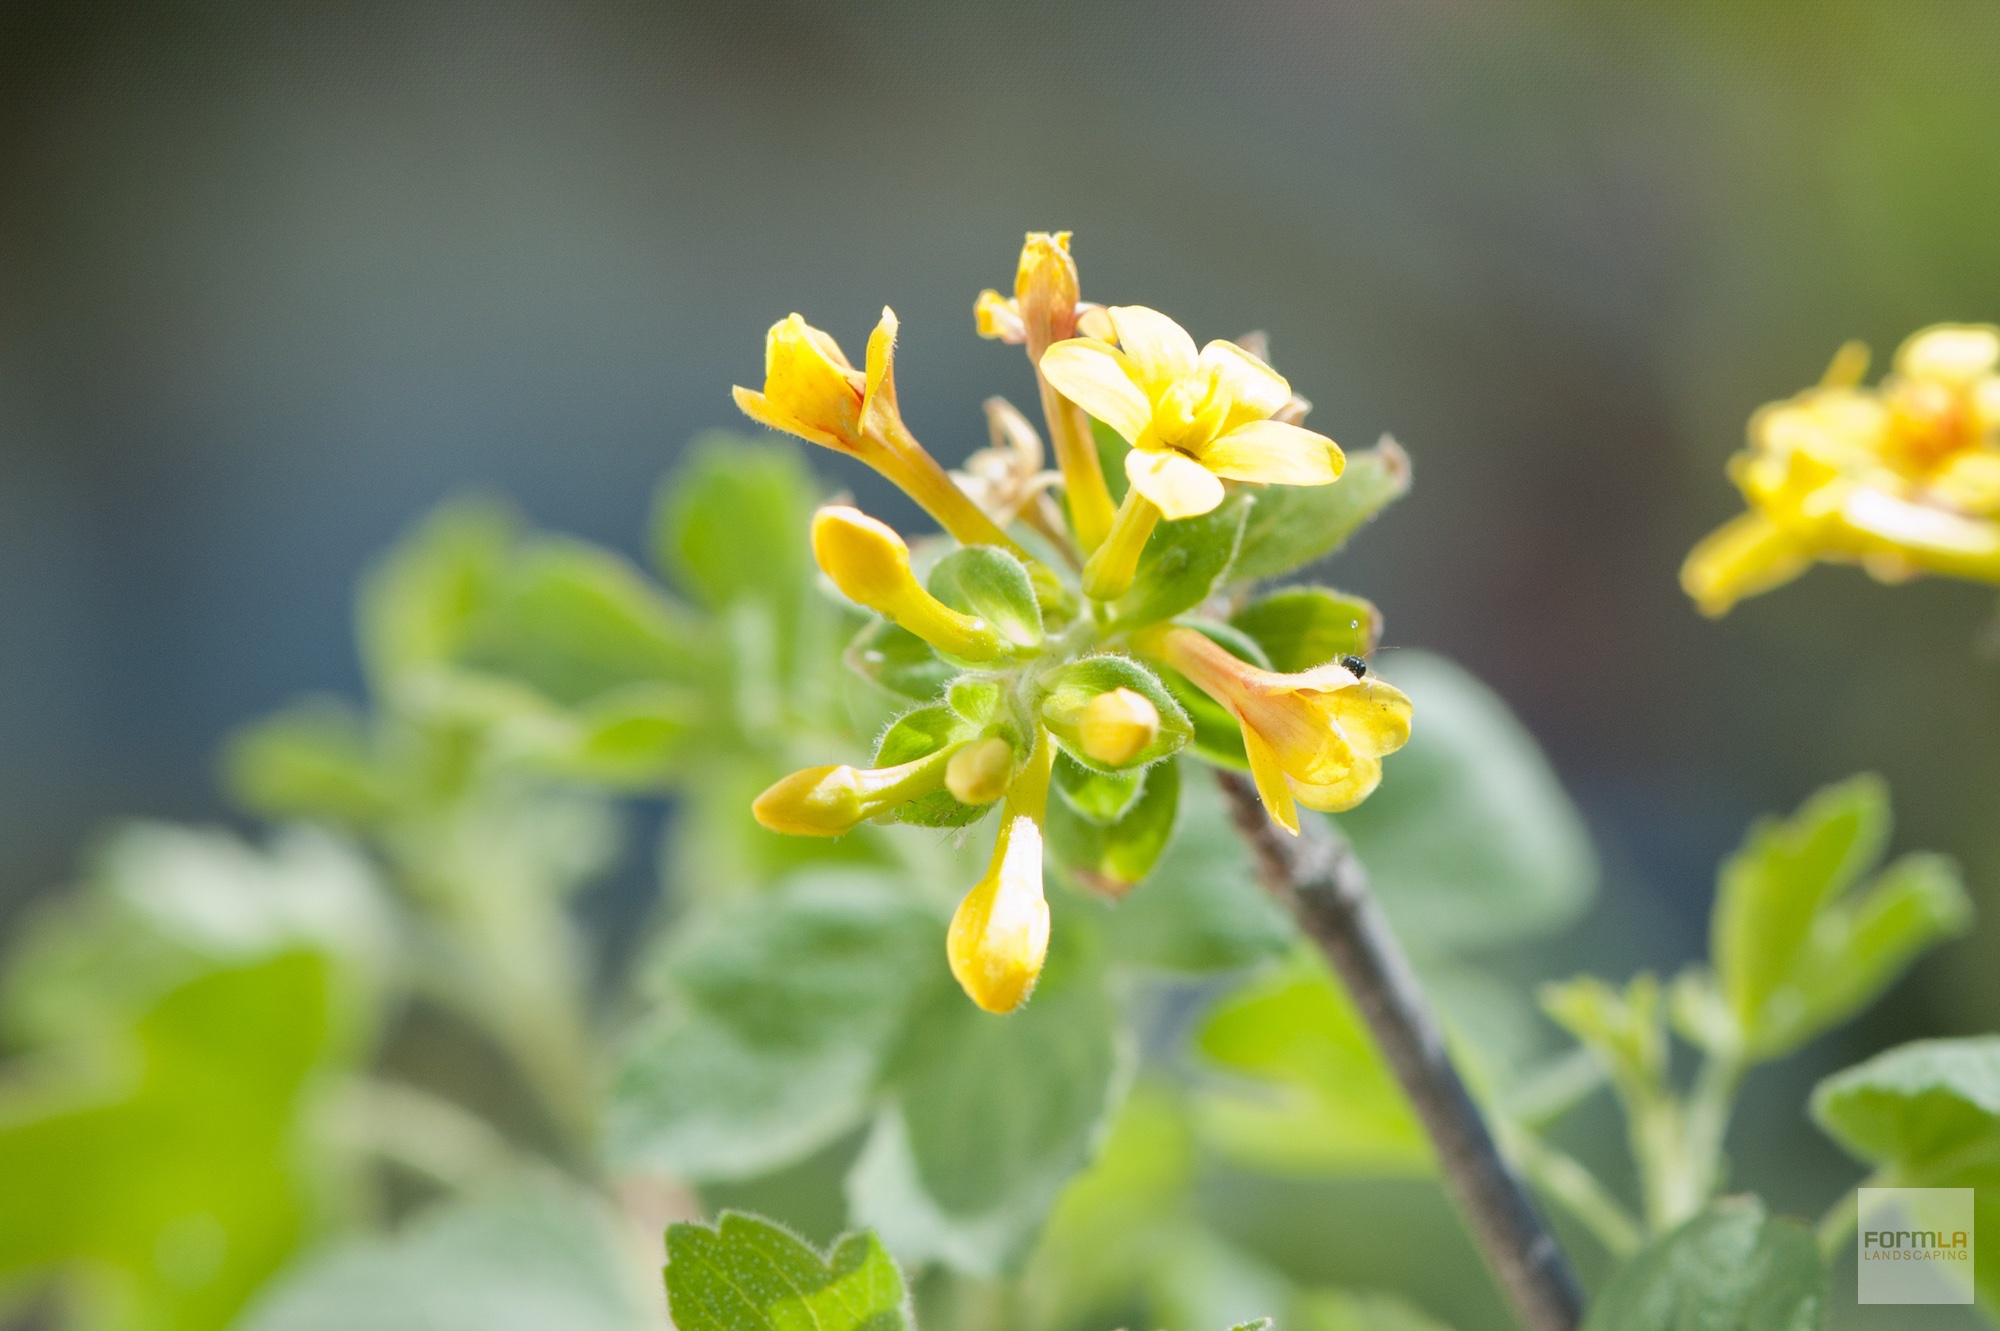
{"x":1902,"y":478}
{"x":1064,"y":649}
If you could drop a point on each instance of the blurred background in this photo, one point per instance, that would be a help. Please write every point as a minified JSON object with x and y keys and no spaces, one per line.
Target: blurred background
{"x":273,"y":282}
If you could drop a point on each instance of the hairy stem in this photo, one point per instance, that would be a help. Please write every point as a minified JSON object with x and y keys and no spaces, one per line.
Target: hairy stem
{"x":1318,"y":878}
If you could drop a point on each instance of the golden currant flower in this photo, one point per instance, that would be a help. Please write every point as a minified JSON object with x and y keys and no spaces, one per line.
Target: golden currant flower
{"x":813,"y":391}
{"x":830,"y":801}
{"x":1194,"y":419}
{"x":1316,"y":737}
{"x":1117,"y":726}
{"x":870,"y":564}
{"x":999,"y":935}
{"x":1902,"y":479}
{"x":1045,"y":310}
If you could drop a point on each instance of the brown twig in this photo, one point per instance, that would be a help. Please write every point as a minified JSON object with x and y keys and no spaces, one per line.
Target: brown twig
{"x":1319,"y":879}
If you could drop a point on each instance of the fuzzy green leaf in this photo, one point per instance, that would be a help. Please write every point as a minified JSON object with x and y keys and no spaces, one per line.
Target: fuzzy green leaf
{"x":732,"y":524}
{"x":1292,"y":525}
{"x":1303,"y":627}
{"x":419,"y":603}
{"x":1096,"y":797}
{"x":747,"y":1274}
{"x":918,"y":733}
{"x":313,"y":760}
{"x":1730,"y":1268}
{"x":1183,"y":563}
{"x":986,"y":581}
{"x":898,"y":662}
{"x":1113,"y":855}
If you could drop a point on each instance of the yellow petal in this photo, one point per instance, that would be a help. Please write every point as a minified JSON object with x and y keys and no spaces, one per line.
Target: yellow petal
{"x":1000,"y":933}
{"x":808,"y":379}
{"x":1953,"y":353}
{"x":1275,"y":454}
{"x":1094,"y":321}
{"x":1096,"y":376}
{"x":1179,"y":486}
{"x":997,"y":316}
{"x":1339,"y":796}
{"x":1373,"y":714}
{"x":1747,"y":555}
{"x":758,"y":408}
{"x":1160,"y":350}
{"x":878,"y":400}
{"x":1256,"y":391}
{"x":1970,"y":482}
{"x":1920,"y":528}
{"x":1270,"y":779}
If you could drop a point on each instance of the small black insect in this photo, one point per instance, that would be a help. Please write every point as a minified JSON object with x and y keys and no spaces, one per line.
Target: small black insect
{"x":1357,"y":666}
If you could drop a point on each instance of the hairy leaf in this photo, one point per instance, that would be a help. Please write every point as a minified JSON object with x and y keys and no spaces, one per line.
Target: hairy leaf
{"x":1303,"y":627}
{"x":1730,"y":1268}
{"x":1293,"y":525}
{"x":1183,"y":563}
{"x":747,"y":1274}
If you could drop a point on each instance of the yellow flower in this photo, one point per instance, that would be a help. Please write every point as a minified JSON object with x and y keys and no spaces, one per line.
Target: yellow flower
{"x":1117,"y":726}
{"x":1902,"y":479}
{"x":870,"y":564}
{"x":829,"y":801}
{"x":999,"y":935}
{"x":1315,"y":738}
{"x":1045,"y":310}
{"x":1194,"y":419}
{"x":813,"y":391}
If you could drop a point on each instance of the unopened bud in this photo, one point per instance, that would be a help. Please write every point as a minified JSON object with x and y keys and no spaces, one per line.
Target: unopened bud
{"x":1116,"y":727}
{"x":980,"y":772}
{"x":870,"y":564}
{"x":830,"y":801}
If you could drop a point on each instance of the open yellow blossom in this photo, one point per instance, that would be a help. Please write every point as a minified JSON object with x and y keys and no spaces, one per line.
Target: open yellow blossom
{"x":812,"y":390}
{"x":830,"y":801}
{"x":999,"y":935}
{"x":870,"y":564}
{"x":1902,"y":479}
{"x":1316,"y":737}
{"x":1194,"y":419}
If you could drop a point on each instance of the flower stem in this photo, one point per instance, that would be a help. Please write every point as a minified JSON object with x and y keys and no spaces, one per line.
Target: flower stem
{"x":1082,"y":472}
{"x":1110,"y":570}
{"x":1319,"y":879}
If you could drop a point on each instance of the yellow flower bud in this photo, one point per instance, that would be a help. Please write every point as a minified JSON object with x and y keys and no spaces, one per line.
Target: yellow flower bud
{"x":829,"y":801}
{"x":1000,"y":933}
{"x":1045,"y":291}
{"x":870,"y":564}
{"x":1117,"y":726}
{"x":980,"y":772}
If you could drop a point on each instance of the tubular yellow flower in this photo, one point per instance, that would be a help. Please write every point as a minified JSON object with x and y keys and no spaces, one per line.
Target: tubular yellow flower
{"x":1316,"y":737}
{"x":999,"y":935}
{"x":1044,"y":311}
{"x":1193,"y":420}
{"x":1902,"y":479}
{"x":870,"y":564}
{"x":980,"y":772}
{"x":1117,"y":726}
{"x":829,"y":801}
{"x":813,"y":391}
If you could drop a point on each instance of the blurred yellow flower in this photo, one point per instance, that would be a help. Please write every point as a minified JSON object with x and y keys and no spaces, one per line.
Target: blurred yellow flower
{"x":999,"y":935}
{"x":1315,"y":738}
{"x":1903,"y":478}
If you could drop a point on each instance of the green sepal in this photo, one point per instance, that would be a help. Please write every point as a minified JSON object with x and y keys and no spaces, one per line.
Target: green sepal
{"x":898,"y":662}
{"x":977,"y":698}
{"x":1303,"y":627}
{"x":1099,"y":797}
{"x":1293,"y":525}
{"x":986,"y":581}
{"x":1183,"y":562}
{"x":1111,"y":856}
{"x":1071,"y":687}
{"x":918,"y":734}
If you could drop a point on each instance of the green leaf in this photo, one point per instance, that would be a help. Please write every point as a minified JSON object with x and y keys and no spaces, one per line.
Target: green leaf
{"x":747,"y":1274}
{"x":1201,"y":909}
{"x":1303,"y":627}
{"x":1470,"y":841}
{"x":782,"y":1010}
{"x":1731,"y":1268}
{"x":1293,"y":525}
{"x":632,"y":738}
{"x":1111,"y":856}
{"x":534,"y":1258}
{"x":1183,"y":562}
{"x":1797,"y":947}
{"x":1921,"y":1106}
{"x":1340,"y":1310}
{"x":574,"y":621}
{"x":1625,"y":1029}
{"x":1111,"y":450}
{"x":419,"y":603}
{"x":992,"y":1115}
{"x":731,"y":524}
{"x":1096,"y":797}
{"x":898,"y":662}
{"x":312,"y":760}
{"x":1309,"y":1092}
{"x":918,"y":733}
{"x":1071,"y":687}
{"x":986,"y":581}
{"x":183,"y":1179}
